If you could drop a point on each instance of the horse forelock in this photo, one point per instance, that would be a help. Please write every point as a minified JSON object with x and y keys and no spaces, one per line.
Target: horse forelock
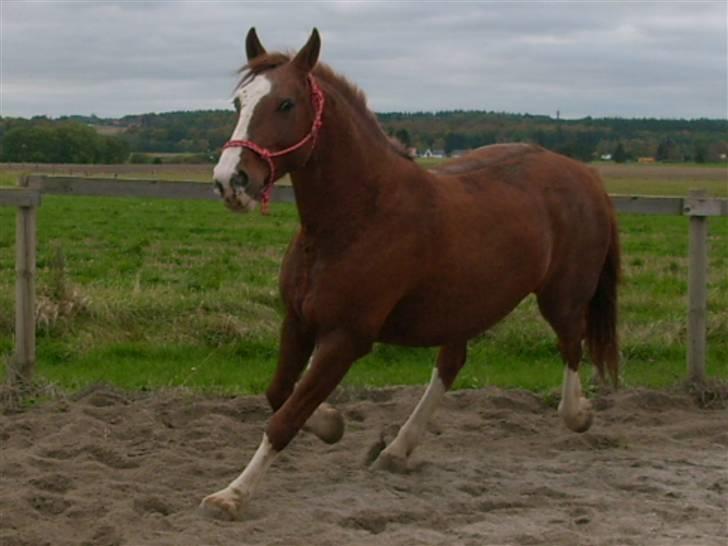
{"x":260,"y":64}
{"x":355,"y":97}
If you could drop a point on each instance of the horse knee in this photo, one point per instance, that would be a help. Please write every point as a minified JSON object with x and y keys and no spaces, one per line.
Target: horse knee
{"x":326,"y":422}
{"x":280,"y":431}
{"x":277,"y":394}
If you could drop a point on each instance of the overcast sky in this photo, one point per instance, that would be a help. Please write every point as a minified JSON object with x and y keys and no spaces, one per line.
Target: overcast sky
{"x":629,"y":59}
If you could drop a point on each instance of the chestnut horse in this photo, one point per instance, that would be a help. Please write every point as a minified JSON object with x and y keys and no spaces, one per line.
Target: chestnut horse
{"x":390,"y":252}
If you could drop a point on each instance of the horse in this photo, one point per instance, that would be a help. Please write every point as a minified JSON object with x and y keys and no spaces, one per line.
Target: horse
{"x":390,"y":252}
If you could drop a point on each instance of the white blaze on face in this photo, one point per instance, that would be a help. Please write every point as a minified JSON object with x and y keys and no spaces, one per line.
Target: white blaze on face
{"x":249,"y":97}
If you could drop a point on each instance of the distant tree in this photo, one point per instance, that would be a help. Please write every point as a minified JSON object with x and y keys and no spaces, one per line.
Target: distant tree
{"x":539,"y":137}
{"x":403,"y":136}
{"x":69,"y":142}
{"x":139,"y":159}
{"x":700,"y":152}
{"x":663,"y":149}
{"x":206,"y":131}
{"x":115,"y":150}
{"x":454,"y":141}
{"x":30,"y":144}
{"x":619,"y":155}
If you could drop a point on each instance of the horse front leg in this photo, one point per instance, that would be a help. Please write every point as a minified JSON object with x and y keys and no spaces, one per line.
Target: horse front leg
{"x":449,"y":362}
{"x":296,"y":348}
{"x":334,"y":355}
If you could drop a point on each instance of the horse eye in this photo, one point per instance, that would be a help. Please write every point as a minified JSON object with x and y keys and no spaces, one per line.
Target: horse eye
{"x":285,"y":106}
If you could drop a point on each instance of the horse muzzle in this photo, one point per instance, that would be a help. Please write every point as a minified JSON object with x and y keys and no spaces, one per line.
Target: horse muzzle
{"x":235,"y":195}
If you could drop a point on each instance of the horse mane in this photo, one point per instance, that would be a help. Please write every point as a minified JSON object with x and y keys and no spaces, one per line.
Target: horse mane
{"x":351,"y":92}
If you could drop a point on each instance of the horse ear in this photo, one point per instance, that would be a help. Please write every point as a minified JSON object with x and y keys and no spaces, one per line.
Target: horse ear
{"x":307,"y":58}
{"x":253,"y":47}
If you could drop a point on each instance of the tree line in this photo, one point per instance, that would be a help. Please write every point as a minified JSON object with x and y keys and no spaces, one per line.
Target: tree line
{"x":45,"y":141}
{"x":585,"y":139}
{"x":201,"y":134}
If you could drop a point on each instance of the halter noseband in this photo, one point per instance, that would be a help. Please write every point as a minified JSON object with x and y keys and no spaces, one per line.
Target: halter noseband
{"x":317,"y":98}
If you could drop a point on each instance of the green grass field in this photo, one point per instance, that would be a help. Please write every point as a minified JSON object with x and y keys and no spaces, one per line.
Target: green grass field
{"x":161,"y":293}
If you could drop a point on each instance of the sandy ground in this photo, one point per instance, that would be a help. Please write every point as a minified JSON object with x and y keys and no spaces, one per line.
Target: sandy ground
{"x":496,"y":468}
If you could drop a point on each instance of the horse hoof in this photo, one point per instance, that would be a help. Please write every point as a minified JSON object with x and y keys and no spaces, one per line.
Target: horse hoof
{"x":220,"y":506}
{"x":327,"y":423}
{"x":582,"y":424}
{"x":582,"y":420}
{"x":391,"y":463}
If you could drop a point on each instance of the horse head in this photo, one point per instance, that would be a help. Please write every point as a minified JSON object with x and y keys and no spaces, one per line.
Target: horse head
{"x":280,"y":108}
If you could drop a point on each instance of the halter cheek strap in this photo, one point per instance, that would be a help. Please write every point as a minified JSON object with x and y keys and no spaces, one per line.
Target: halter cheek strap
{"x":317,"y":98}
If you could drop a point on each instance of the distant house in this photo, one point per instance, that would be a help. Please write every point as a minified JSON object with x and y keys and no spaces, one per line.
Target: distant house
{"x":645,"y":160}
{"x":606,"y":157}
{"x":435,"y":154}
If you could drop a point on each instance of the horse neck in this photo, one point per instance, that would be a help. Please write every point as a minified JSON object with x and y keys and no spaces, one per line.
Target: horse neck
{"x":341,"y":185}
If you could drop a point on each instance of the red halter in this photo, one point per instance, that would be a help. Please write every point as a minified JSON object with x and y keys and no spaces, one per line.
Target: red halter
{"x":317,"y":98}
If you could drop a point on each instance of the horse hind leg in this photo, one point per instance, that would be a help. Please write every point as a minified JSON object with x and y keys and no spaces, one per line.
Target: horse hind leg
{"x":449,"y":362}
{"x":575,"y":410}
{"x":570,"y":327}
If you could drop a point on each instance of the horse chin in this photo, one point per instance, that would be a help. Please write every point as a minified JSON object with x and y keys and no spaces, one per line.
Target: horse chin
{"x":241,"y":202}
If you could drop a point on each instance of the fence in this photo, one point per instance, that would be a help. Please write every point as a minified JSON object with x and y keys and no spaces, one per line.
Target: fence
{"x":21,"y":368}
{"x":698,"y":206}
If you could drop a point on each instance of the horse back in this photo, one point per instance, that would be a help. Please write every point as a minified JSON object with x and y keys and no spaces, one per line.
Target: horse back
{"x":510,"y":219}
{"x":452,"y":251}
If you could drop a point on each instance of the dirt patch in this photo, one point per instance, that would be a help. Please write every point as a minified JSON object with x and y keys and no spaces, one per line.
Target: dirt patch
{"x":496,"y":468}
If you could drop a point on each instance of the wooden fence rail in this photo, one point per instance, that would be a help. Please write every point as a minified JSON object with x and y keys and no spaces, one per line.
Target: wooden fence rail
{"x":698,"y":206}
{"x":158,"y":189}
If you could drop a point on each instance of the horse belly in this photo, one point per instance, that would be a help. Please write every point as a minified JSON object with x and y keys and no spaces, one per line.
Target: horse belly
{"x":432,"y":317}
{"x":480,"y":276}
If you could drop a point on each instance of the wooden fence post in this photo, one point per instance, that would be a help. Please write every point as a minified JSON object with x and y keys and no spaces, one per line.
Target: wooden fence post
{"x":23,"y":365}
{"x":697,"y":286}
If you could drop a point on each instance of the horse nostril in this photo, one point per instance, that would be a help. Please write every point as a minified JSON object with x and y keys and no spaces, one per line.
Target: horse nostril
{"x":218,"y":188}
{"x":240,"y":180}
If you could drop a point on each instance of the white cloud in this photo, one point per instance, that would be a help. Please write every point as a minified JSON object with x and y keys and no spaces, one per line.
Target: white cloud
{"x":665,"y":59}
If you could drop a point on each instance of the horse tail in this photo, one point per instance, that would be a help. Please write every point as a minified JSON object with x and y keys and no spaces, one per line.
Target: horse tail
{"x":601,"y":328}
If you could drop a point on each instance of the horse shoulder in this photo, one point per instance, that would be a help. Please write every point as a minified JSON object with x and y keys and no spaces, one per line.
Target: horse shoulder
{"x":360,"y":285}
{"x":295,"y":272}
